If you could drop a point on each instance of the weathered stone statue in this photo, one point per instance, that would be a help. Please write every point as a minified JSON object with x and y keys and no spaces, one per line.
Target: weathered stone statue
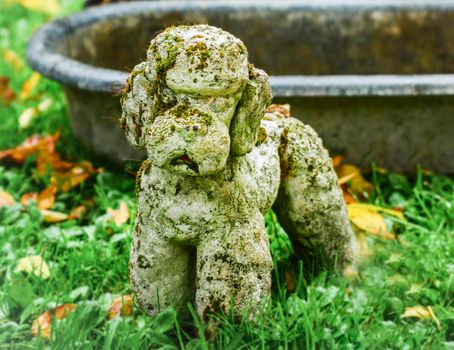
{"x":216,"y":163}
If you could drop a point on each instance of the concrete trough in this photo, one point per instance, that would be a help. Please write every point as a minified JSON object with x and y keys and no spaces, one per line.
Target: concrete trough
{"x":375,"y":78}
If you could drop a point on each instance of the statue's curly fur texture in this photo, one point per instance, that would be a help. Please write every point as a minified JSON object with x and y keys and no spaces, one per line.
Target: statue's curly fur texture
{"x":216,"y":163}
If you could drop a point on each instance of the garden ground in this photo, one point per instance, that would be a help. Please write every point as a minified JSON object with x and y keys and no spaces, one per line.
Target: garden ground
{"x":69,"y":245}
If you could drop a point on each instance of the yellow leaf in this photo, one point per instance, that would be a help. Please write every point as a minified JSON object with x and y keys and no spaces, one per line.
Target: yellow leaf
{"x":42,"y":326}
{"x":361,"y":247}
{"x":358,"y":185}
{"x":378,"y":209}
{"x":48,"y":7}
{"x":13,"y":59}
{"x":34,"y":264}
{"x":29,"y":85}
{"x":120,"y":306}
{"x":369,"y":221}
{"x":53,"y":216}
{"x":350,"y":273}
{"x":422,"y":313}
{"x":120,"y":215}
{"x":6,"y":199}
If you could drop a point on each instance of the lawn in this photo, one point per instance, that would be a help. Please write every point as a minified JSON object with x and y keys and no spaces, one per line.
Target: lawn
{"x":400,"y":297}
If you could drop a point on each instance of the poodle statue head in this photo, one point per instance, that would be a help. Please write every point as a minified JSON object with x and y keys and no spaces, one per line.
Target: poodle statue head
{"x":195,"y":101}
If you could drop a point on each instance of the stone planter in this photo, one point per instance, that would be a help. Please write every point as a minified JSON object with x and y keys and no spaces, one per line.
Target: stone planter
{"x":375,"y":78}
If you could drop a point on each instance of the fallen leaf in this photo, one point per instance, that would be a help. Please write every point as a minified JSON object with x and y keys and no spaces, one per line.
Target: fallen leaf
{"x":29,"y":114}
{"x":282,"y":111}
{"x":350,"y":273}
{"x":77,"y":212}
{"x":121,"y":306}
{"x":34,"y":264}
{"x":42,"y":326}
{"x":53,"y":216}
{"x":6,"y":93}
{"x":6,"y":199}
{"x":369,"y":221}
{"x":29,"y":85}
{"x":422,"y":313}
{"x":27,"y":197}
{"x":358,"y":185}
{"x":377,"y":209}
{"x":48,"y":7}
{"x":46,"y":199}
{"x":415,"y":288}
{"x":361,"y":246}
{"x":290,"y":280}
{"x":337,"y":160}
{"x":345,"y":179}
{"x":394,"y":258}
{"x":120,"y":215}
{"x":31,"y":146}
{"x":13,"y":59}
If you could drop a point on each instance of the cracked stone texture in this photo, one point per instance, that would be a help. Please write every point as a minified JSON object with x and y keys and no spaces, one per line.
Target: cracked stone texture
{"x":216,"y":164}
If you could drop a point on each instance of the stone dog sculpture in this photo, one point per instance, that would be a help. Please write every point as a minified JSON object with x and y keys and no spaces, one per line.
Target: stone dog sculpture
{"x":215,"y":165}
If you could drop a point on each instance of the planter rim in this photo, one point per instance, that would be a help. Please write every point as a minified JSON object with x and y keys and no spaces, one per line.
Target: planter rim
{"x":42,"y":52}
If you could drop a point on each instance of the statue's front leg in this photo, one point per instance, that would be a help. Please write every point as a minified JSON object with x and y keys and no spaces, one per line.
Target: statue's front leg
{"x":233,"y":268}
{"x":162,"y":272}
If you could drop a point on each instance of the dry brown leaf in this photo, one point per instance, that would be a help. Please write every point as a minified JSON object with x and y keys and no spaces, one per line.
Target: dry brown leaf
{"x":120,"y":215}
{"x":422,"y":313}
{"x":6,"y":199}
{"x":52,"y":216}
{"x":290,"y":280}
{"x":34,"y":264}
{"x":6,"y":93}
{"x":13,"y":59}
{"x":42,"y":326}
{"x":46,"y":199}
{"x":369,"y":221}
{"x":282,"y":111}
{"x":47,"y":7}
{"x":29,"y":85}
{"x":27,"y":197}
{"x":121,"y":306}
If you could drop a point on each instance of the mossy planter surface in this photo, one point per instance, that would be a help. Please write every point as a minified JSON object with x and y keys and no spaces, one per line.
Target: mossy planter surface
{"x":375,"y":80}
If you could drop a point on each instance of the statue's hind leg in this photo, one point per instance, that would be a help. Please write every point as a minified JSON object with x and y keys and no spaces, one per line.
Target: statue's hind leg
{"x":310,"y":205}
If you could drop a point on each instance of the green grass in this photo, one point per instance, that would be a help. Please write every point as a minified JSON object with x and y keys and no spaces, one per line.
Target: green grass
{"x":88,"y":258}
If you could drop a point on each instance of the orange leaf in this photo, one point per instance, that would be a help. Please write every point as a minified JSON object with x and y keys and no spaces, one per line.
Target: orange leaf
{"x":46,"y":198}
{"x":31,"y":146}
{"x":27,"y":197}
{"x":282,"y":111}
{"x":53,"y":216}
{"x":6,"y":94}
{"x":121,"y":306}
{"x":120,"y":215}
{"x":77,"y":212}
{"x":337,"y":160}
{"x":6,"y":199}
{"x":29,"y":85}
{"x":42,"y":326}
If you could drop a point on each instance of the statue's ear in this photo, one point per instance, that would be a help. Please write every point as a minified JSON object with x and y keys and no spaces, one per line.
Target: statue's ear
{"x":137,"y":105}
{"x":245,"y":123}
